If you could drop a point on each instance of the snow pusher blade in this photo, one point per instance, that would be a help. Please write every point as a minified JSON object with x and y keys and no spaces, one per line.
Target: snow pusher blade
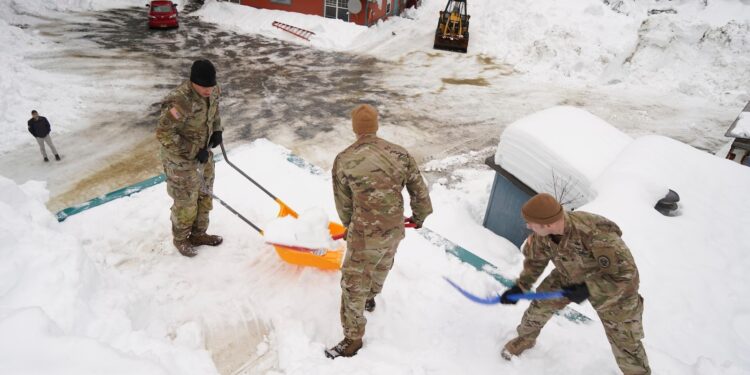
{"x":327,"y":259}
{"x":321,"y":258}
{"x":452,"y":33}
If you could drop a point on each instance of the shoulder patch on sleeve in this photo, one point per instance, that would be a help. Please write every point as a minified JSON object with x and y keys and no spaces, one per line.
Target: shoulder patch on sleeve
{"x":606,"y":258}
{"x":175,"y":113}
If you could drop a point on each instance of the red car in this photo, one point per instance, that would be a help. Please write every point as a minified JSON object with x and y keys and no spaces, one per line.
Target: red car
{"x":162,"y":14}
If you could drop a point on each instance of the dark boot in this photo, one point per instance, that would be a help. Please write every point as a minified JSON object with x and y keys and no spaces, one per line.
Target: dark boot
{"x":346,"y":348}
{"x":205,"y":239}
{"x":185,"y":248}
{"x":57,"y":157}
{"x":516,"y":346}
{"x":45,"y":159}
{"x":370,"y":304}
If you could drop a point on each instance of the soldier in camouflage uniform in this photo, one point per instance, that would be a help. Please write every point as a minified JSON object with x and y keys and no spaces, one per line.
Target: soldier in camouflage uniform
{"x":368,"y":178}
{"x":189,"y":126}
{"x":591,"y":262}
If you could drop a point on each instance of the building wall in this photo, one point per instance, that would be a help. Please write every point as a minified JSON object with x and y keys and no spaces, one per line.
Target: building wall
{"x":371,"y":12}
{"x":314,"y":7}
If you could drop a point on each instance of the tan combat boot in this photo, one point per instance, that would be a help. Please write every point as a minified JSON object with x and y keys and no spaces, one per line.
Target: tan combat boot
{"x":205,"y":239}
{"x":516,"y":346}
{"x":185,"y":248}
{"x":346,"y":348}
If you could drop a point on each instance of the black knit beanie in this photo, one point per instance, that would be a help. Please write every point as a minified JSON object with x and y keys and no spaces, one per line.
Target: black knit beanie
{"x":203,"y":73}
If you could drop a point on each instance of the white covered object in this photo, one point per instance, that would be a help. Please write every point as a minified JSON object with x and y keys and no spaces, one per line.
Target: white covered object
{"x":560,"y":150}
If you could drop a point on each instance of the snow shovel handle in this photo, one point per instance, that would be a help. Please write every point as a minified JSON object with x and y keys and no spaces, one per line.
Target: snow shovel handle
{"x":342,"y":235}
{"x":491,"y":300}
{"x":283,"y":205}
{"x":208,"y":191}
{"x":537,"y":295}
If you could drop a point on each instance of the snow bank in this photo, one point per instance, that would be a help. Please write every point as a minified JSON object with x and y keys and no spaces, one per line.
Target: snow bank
{"x":693,"y":271}
{"x":58,"y":314}
{"x":561,"y":151}
{"x":330,"y":34}
{"x":693,"y":266}
{"x":421,"y":325}
{"x":685,"y":47}
{"x":24,"y":87}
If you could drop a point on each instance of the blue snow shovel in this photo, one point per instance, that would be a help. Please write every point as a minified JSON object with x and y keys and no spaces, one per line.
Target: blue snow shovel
{"x":492,"y":300}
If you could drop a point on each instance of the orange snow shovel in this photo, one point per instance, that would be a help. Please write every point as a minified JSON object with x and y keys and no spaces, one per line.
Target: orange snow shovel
{"x":329,"y":260}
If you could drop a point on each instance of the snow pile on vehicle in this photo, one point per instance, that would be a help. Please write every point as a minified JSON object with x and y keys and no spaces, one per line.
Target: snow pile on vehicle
{"x":560,"y":150}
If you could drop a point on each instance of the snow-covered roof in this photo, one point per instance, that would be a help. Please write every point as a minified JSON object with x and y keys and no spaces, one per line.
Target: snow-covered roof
{"x":740,"y":128}
{"x":560,"y":148}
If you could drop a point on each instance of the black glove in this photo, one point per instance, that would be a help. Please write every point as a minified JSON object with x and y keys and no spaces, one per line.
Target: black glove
{"x":576,"y":293}
{"x":215,"y":139}
{"x":411,"y":221}
{"x":515,"y":289}
{"x":202,"y":156}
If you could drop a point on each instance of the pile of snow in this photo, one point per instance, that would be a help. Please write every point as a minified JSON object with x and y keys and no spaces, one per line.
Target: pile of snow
{"x":561,"y":150}
{"x":59,"y":314}
{"x":330,"y":34}
{"x":309,"y":230}
{"x":693,"y":266}
{"x":421,"y":325}
{"x":687,"y":46}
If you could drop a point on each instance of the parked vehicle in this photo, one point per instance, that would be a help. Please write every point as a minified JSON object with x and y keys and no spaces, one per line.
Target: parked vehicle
{"x":162,"y":14}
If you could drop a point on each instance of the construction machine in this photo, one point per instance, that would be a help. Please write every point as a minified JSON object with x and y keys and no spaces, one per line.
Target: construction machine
{"x":452,"y":32}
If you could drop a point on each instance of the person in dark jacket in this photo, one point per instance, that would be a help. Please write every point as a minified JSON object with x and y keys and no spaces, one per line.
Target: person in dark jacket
{"x":39,"y":127}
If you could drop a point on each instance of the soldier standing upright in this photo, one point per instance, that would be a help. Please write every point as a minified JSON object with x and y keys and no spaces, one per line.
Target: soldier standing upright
{"x":368,"y":178}
{"x":189,"y":126}
{"x":591,"y":262}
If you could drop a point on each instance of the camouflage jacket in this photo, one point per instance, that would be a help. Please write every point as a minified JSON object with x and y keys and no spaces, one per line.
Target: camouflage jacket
{"x":368,"y":178}
{"x":591,"y":251}
{"x":197,"y":118}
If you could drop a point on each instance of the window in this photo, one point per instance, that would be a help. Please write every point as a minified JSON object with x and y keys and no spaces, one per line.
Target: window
{"x":388,"y":7}
{"x":337,"y":9}
{"x":162,"y":9}
{"x":285,"y":2}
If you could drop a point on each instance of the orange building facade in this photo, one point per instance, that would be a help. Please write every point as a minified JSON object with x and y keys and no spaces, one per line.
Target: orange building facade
{"x":367,"y":13}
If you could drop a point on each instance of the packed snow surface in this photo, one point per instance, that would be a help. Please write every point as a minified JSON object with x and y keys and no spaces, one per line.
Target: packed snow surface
{"x":243,"y":278}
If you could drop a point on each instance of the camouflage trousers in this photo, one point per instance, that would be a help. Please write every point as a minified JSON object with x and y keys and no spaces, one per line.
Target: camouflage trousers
{"x":362,"y":276}
{"x":622,"y":325}
{"x":191,"y":206}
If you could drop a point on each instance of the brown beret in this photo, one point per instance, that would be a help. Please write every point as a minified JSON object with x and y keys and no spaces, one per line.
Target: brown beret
{"x":364,"y":119}
{"x":542,"y":209}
